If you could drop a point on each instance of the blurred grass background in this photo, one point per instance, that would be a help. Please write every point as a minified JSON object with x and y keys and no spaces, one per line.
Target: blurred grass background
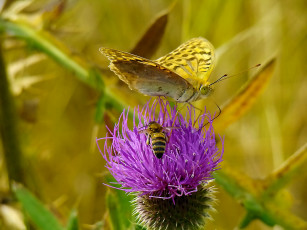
{"x":56,"y":111}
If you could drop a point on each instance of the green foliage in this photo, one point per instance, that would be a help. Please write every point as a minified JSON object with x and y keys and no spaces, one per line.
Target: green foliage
{"x":72,"y":223}
{"x":36,"y":211}
{"x":39,"y":214}
{"x":114,"y":210}
{"x":119,"y":207}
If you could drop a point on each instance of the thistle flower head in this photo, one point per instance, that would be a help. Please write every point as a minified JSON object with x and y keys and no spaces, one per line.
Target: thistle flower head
{"x":190,"y":157}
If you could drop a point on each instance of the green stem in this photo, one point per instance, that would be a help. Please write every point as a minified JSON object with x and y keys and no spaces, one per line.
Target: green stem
{"x":249,"y":217}
{"x":50,"y":46}
{"x":290,"y":169}
{"x":8,"y":129}
{"x":41,"y":41}
{"x":246,"y":192}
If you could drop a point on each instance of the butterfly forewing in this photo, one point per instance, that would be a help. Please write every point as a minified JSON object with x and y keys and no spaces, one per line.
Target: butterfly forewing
{"x":146,"y":76}
{"x":193,"y":60}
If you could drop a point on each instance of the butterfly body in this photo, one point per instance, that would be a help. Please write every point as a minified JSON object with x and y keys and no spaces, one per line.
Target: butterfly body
{"x":182,"y":74}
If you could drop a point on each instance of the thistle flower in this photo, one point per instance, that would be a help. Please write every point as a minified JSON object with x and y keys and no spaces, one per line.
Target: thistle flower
{"x":171,"y":192}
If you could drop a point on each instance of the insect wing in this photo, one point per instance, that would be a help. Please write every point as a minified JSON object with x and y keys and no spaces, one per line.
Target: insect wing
{"x":193,"y":60}
{"x":146,"y":76}
{"x":170,"y":128}
{"x":143,"y":129}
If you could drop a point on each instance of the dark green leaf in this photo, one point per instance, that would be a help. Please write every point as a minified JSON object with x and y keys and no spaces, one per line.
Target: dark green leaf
{"x":124,"y":204}
{"x":139,"y":227}
{"x":249,"y":217}
{"x":114,"y":211}
{"x":37,"y":212}
{"x":73,"y":221}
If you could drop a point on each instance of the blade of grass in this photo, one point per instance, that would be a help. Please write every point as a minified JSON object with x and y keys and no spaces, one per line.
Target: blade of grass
{"x":99,"y":225}
{"x":47,"y":44}
{"x":101,"y":102}
{"x":287,"y":172}
{"x":249,"y":217}
{"x":124,"y":203}
{"x":57,"y":51}
{"x":8,"y":130}
{"x":37,"y":212}
{"x":72,"y":223}
{"x":139,"y":227}
{"x":247,"y":192}
{"x":125,"y":207}
{"x":114,"y":211}
{"x":245,"y":98}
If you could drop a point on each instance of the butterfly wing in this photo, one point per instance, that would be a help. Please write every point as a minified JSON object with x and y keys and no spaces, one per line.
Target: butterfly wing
{"x":147,"y":77}
{"x":193,"y":61}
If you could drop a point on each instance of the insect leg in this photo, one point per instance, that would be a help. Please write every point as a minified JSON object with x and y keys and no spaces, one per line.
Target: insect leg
{"x":166,"y":137}
{"x":177,"y":111}
{"x":163,"y":108}
{"x":220,"y":111}
{"x":200,"y":112}
{"x":148,"y":139}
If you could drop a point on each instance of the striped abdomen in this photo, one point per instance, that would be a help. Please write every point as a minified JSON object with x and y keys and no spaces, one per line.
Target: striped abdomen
{"x":158,"y":143}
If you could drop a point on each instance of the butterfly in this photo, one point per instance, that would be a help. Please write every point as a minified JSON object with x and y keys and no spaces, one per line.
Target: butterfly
{"x":182,"y":74}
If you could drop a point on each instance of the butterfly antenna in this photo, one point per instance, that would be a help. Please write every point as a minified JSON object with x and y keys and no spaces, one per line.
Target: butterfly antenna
{"x":225,"y":76}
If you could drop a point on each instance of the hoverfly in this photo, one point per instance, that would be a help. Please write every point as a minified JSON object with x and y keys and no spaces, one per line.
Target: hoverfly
{"x":156,"y":138}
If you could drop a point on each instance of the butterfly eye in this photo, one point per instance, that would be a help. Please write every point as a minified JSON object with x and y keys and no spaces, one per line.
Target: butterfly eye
{"x":205,"y":90}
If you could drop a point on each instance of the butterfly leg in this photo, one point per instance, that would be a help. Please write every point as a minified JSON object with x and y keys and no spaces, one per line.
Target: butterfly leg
{"x":196,"y":108}
{"x":166,"y":138}
{"x":219,"y":113}
{"x":177,"y":111}
{"x":162,"y":105}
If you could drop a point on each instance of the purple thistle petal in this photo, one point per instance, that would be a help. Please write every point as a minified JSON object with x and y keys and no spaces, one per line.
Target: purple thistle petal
{"x":190,"y":157}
